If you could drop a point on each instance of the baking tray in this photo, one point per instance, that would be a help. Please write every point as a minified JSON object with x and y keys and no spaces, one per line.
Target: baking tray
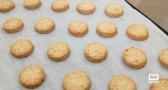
{"x":100,"y":73}
{"x":157,"y":24}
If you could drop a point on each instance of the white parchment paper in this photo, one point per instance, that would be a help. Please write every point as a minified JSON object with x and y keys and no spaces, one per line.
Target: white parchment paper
{"x":101,"y":73}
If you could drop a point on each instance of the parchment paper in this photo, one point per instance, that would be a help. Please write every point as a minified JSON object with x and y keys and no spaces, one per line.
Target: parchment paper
{"x":101,"y":73}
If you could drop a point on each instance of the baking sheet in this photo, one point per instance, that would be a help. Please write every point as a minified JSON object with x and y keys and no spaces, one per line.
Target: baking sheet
{"x":100,"y":73}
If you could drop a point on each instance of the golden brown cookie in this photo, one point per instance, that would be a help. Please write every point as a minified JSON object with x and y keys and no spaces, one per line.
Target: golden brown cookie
{"x":32,"y":76}
{"x":32,"y":4}
{"x":138,"y":32}
{"x":60,"y":5}
{"x":78,"y":28}
{"x":22,"y":48}
{"x":6,"y":5}
{"x":114,"y":10}
{"x":121,"y":82}
{"x":163,"y":58}
{"x":58,"y":51}
{"x":77,"y":80}
{"x":45,"y":26}
{"x":106,"y":29}
{"x":95,"y":52}
{"x":134,"y":58}
{"x":13,"y":25}
{"x":161,"y":85}
{"x":86,"y":8}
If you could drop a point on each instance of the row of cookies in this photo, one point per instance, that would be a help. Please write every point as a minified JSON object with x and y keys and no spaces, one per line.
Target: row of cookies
{"x":79,"y":28}
{"x":32,"y":76}
{"x":86,"y":8}
{"x":133,"y":57}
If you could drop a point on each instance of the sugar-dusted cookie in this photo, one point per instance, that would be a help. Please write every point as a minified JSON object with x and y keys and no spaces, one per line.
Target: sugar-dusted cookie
{"x":60,"y":5}
{"x":58,"y":51}
{"x":134,"y":58}
{"x":22,"y":48}
{"x":114,"y":10}
{"x":78,"y":28}
{"x":77,"y":80}
{"x":138,"y":32}
{"x":86,"y":8}
{"x":32,"y":76}
{"x":13,"y":25}
{"x":95,"y":52}
{"x":163,"y":57}
{"x":106,"y":29}
{"x":121,"y":82}
{"x":162,"y":84}
{"x":6,"y":5}
{"x":45,"y":26}
{"x":32,"y":4}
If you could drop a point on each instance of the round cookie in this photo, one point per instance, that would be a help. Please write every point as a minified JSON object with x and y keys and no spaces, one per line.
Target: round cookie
{"x":60,"y":5}
{"x":106,"y":29}
{"x":78,"y":28}
{"x":95,"y":52}
{"x":44,"y":26}
{"x":134,"y":58}
{"x":13,"y":25}
{"x":6,"y":5}
{"x":32,"y":76}
{"x":114,"y":10}
{"x":58,"y":51}
{"x":137,"y":32}
{"x":86,"y":8}
{"x":162,"y":84}
{"x":22,"y":48}
{"x":163,"y":58}
{"x":32,"y":4}
{"x":77,"y":80}
{"x":121,"y":82}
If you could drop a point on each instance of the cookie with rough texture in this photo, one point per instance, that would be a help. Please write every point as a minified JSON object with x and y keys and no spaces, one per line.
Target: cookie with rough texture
{"x":78,"y":28}
{"x":44,"y":26}
{"x":138,"y":32}
{"x":121,"y":82}
{"x":134,"y":58}
{"x":86,"y":8}
{"x":6,"y":5}
{"x":60,"y":5}
{"x":95,"y":52}
{"x":106,"y":29}
{"x":162,"y":84}
{"x":22,"y":48}
{"x":163,"y":57}
{"x":32,"y":76}
{"x":13,"y":25}
{"x":114,"y":10}
{"x":77,"y":80}
{"x":58,"y":51}
{"x":32,"y":4}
